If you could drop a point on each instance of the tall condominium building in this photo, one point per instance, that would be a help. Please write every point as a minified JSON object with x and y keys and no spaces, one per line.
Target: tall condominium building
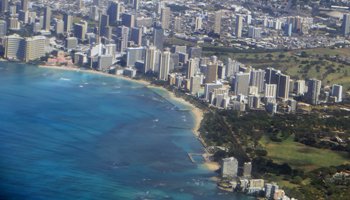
{"x":24,"y":5}
{"x":198,"y":23}
{"x":80,"y":30}
{"x":136,"y":4}
{"x":283,"y":86}
{"x":337,"y":91}
{"x":232,"y":67}
{"x":178,"y":24}
{"x":136,"y":36}
{"x":59,"y":28}
{"x":313,"y":92}
{"x":346,"y":24}
{"x":217,"y":17}
{"x":212,"y":73}
{"x":229,"y":167}
{"x":158,"y":37}
{"x":14,"y":23}
{"x":4,"y":6}
{"x":151,"y":59}
{"x":47,"y":18}
{"x":299,"y":87}
{"x":3,"y":28}
{"x":192,"y":66}
{"x":67,"y":19}
{"x":165,"y":17}
{"x":14,"y":47}
{"x":271,"y":75}
{"x":257,"y":78}
{"x":247,"y":170}
{"x":128,"y":20}
{"x":195,"y":84}
{"x":241,"y":83}
{"x":210,"y":87}
{"x":270,"y":90}
{"x":103,"y":23}
{"x":134,"y":54}
{"x":113,"y":11}
{"x":34,"y":48}
{"x":239,"y":26}
{"x":80,"y":4}
{"x":123,"y":38}
{"x":164,"y":66}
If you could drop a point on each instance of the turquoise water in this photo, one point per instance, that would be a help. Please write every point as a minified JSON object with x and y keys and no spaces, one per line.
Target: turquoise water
{"x":73,"y":135}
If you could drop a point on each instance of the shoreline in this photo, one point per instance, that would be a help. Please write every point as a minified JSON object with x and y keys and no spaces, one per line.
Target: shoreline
{"x":196,"y":113}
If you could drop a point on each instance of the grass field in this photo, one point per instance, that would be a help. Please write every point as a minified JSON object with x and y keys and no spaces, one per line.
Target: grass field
{"x":315,"y":65}
{"x":301,"y":156}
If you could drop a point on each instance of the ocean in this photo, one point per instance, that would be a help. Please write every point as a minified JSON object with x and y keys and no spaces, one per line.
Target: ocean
{"x":76,"y":135}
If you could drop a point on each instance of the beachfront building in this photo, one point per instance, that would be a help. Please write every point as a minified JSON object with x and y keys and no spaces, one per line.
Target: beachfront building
{"x":229,"y":167}
{"x":34,"y":48}
{"x":14,"y":47}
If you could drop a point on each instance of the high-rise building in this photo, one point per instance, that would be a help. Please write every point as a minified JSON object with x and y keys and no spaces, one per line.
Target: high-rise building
{"x":299,"y":87}
{"x":254,"y":32}
{"x":198,"y":23}
{"x":271,"y":75}
{"x":151,"y":59}
{"x":192,"y":66}
{"x":247,"y":169}
{"x":128,"y":20}
{"x":59,"y":28}
{"x":123,"y":38}
{"x":158,"y":37}
{"x":346,"y":24}
{"x":239,"y":26}
{"x":195,"y":84}
{"x":34,"y":48}
{"x":136,"y":4}
{"x":47,"y":18}
{"x":103,"y":23}
{"x":165,"y":17}
{"x":216,"y":20}
{"x":270,"y":90}
{"x":313,"y":92}
{"x":164,"y":66}
{"x":229,"y":167}
{"x":212,"y":73}
{"x":136,"y":36}
{"x":283,"y":86}
{"x":80,"y":4}
{"x":67,"y":19}
{"x":337,"y":91}
{"x":241,"y":83}
{"x":14,"y":23}
{"x":14,"y":47}
{"x":113,"y":11}
{"x":23,"y":16}
{"x":3,"y":28}
{"x":178,"y":24}
{"x":24,"y":5}
{"x":133,"y":55}
{"x":210,"y":87}
{"x":4,"y":6}
{"x":80,"y":30}
{"x":232,"y":67}
{"x":257,"y":78}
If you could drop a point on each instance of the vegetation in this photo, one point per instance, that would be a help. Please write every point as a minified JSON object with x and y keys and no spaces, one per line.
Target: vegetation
{"x":290,"y":149}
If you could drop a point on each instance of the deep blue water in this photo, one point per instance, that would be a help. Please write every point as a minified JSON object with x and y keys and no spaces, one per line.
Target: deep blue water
{"x":73,"y":135}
